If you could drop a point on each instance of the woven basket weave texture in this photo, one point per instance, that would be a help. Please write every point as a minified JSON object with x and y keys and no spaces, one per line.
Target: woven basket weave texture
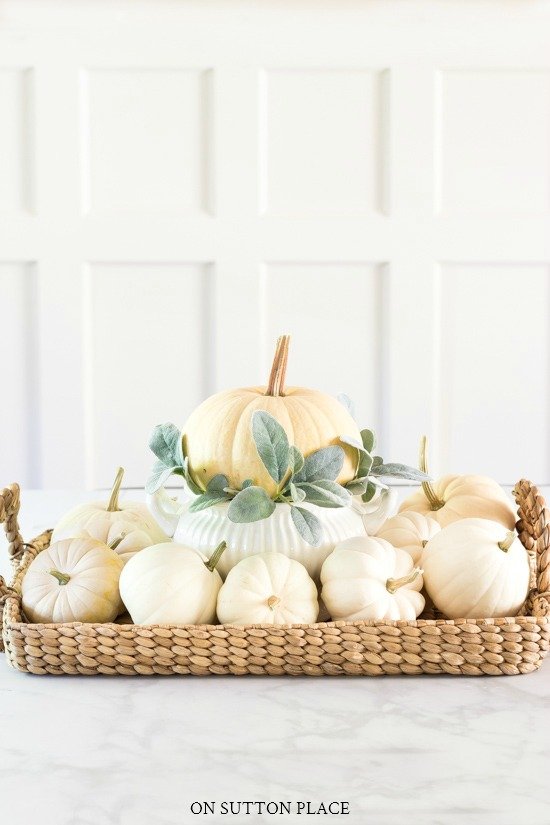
{"x":502,"y":646}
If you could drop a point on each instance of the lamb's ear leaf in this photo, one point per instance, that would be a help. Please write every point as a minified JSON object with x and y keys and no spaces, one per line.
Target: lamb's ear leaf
{"x":217,"y":484}
{"x":324,"y":464}
{"x":365,"y":465}
{"x":296,"y":460}
{"x":251,"y":504}
{"x":165,"y":443}
{"x":325,"y":493}
{"x":247,"y":483}
{"x":369,"y":440}
{"x":357,"y":487}
{"x":308,"y":525}
{"x":160,"y":473}
{"x":399,"y":471}
{"x":193,"y":486}
{"x":272,"y":444}
{"x":353,"y":442}
{"x":206,"y":500}
{"x":297,"y":493}
{"x":369,"y":493}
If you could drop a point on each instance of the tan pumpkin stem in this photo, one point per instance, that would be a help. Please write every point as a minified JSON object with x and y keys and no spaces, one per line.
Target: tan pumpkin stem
{"x":112,"y":507}
{"x":273,"y":601}
{"x":435,"y":502}
{"x":394,"y":584}
{"x":216,"y":556}
{"x":114,"y":544}
{"x":62,"y":578}
{"x":507,"y":541}
{"x":276,"y":383}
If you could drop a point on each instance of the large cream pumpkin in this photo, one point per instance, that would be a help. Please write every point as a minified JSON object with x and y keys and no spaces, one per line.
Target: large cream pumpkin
{"x":108,"y":520}
{"x":475,"y":568}
{"x":73,"y":580}
{"x":455,"y":497}
{"x":217,"y":437}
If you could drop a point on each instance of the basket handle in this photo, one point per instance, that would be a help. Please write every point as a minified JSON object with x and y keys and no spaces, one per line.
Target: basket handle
{"x":10,"y":500}
{"x":534,"y":531}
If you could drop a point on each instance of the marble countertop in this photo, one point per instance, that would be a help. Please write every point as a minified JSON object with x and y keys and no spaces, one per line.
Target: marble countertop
{"x":400,"y":750}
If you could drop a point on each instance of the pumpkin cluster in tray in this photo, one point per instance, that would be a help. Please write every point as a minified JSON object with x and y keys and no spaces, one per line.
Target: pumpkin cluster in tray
{"x":287,"y":520}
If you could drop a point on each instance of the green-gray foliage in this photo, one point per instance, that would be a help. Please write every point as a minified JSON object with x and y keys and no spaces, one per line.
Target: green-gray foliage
{"x":299,"y":480}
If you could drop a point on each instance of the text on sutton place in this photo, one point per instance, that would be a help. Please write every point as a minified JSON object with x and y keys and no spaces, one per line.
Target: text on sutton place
{"x":272,"y":808}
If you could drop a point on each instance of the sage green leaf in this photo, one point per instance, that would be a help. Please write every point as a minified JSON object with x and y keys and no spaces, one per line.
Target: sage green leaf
{"x":368,"y":495}
{"x":352,"y":442}
{"x":346,"y":402}
{"x":164,"y":442}
{"x":206,"y":500}
{"x":324,"y":464}
{"x":400,"y":471}
{"x":326,"y":493}
{"x":160,"y":473}
{"x":296,"y":460}
{"x":297,"y":493}
{"x":377,"y":461}
{"x":365,"y":464}
{"x":217,"y":484}
{"x":191,"y":483}
{"x":247,"y":483}
{"x":357,"y":487}
{"x":308,"y":525}
{"x":272,"y":444}
{"x":369,"y":440}
{"x":251,"y":504}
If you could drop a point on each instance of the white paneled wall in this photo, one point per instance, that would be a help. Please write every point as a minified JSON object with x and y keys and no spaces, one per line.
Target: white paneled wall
{"x":182,"y":181}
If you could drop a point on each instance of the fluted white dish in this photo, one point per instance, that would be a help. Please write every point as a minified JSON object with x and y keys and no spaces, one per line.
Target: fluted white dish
{"x":205,"y":529}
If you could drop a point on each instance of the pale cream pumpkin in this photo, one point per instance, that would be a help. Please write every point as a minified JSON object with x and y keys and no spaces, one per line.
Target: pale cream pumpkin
{"x":268,"y":588}
{"x":217,"y":437}
{"x":108,"y":520}
{"x":475,"y":568}
{"x":410,"y":531}
{"x":367,"y":578}
{"x":73,"y":580}
{"x":455,"y":497}
{"x":171,"y":583}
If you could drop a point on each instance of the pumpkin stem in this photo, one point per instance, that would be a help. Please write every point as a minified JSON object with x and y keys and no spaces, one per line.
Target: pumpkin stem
{"x":273,"y":601}
{"x":507,"y":541}
{"x":62,"y":578}
{"x":276,"y":383}
{"x":216,"y":556}
{"x":435,"y":502}
{"x":394,"y":584}
{"x":114,"y":544}
{"x":113,"y":501}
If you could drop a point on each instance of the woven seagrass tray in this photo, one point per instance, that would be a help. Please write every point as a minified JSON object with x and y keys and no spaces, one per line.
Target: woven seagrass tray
{"x":431,"y":644}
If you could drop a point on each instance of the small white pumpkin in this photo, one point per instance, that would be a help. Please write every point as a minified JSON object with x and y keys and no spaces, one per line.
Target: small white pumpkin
{"x":171,"y":584}
{"x":73,"y":580}
{"x":410,"y":531}
{"x":455,"y":497}
{"x":268,"y":588}
{"x":367,"y":578}
{"x":475,"y":568}
{"x":105,"y":521}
